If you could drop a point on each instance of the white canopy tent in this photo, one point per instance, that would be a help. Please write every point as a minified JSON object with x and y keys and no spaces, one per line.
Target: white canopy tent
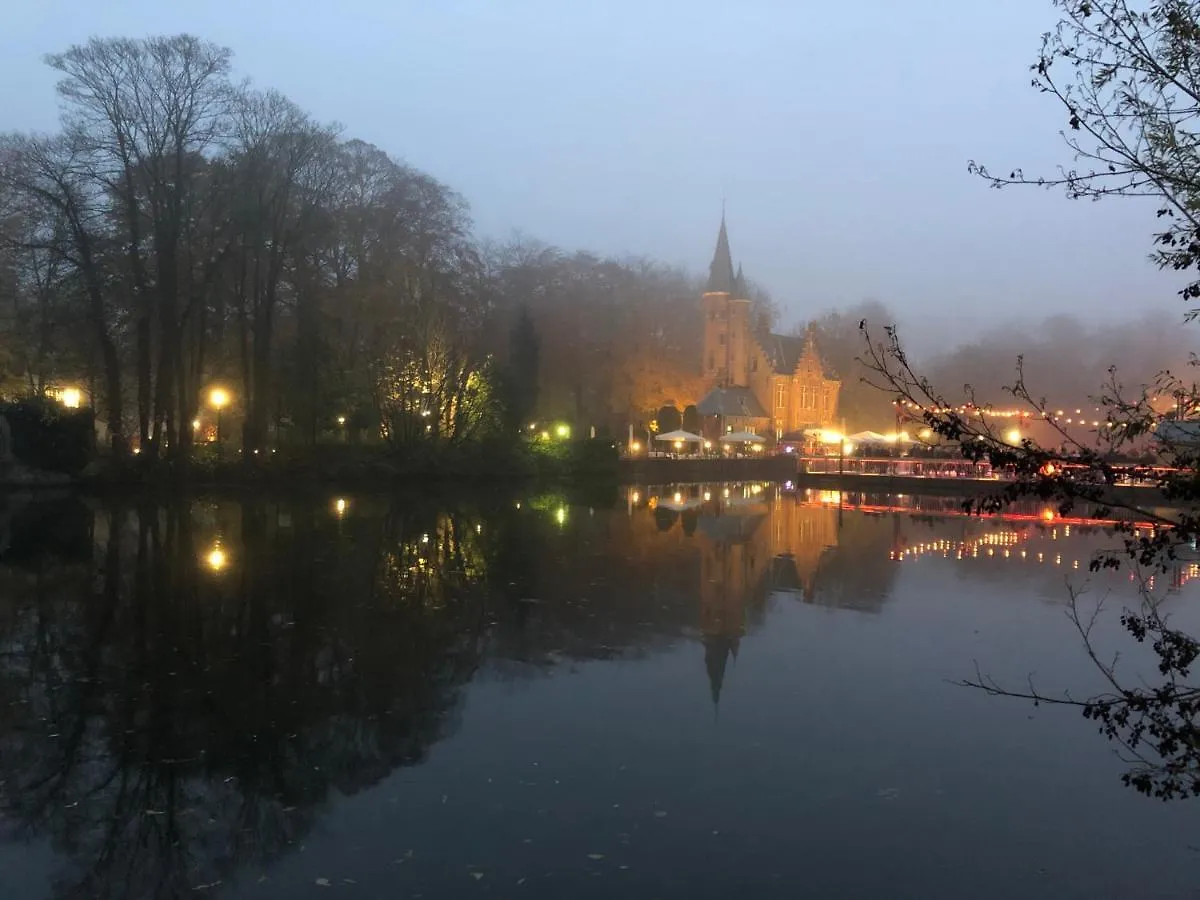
{"x":743,"y":437}
{"x":868,"y":437}
{"x":685,"y":437}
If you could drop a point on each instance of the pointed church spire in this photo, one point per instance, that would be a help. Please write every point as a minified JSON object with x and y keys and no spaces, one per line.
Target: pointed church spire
{"x":720,"y":271}
{"x":740,"y":291}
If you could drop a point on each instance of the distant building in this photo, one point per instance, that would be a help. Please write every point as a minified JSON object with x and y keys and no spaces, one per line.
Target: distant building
{"x":769,"y":383}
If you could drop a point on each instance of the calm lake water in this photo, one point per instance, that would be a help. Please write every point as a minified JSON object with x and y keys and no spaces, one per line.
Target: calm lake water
{"x":699,"y":691}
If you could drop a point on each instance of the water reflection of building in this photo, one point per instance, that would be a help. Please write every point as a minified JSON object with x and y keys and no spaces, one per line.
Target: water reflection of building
{"x":753,"y":542}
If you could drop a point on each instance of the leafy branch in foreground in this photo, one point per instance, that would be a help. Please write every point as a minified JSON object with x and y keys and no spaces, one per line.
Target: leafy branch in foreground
{"x":1155,"y":725}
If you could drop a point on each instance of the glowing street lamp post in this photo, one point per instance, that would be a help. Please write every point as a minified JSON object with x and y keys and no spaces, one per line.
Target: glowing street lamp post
{"x":218,"y":399}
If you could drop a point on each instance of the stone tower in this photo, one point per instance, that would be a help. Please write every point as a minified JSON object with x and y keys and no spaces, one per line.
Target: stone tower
{"x":727,"y":337}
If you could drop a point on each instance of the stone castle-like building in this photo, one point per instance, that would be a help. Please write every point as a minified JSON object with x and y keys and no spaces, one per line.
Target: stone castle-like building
{"x":773,"y":384}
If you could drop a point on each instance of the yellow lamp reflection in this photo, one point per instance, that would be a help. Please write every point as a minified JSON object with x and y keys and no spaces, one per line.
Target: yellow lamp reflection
{"x":340,"y":505}
{"x":216,"y":559}
{"x":561,"y":515}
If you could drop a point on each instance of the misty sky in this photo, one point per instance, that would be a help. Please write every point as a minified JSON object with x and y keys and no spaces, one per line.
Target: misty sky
{"x":837,"y":132}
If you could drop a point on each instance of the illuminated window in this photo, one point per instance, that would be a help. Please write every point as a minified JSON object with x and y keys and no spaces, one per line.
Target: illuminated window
{"x":780,"y":394}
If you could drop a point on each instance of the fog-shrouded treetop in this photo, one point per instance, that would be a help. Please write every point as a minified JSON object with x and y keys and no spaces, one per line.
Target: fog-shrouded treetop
{"x":837,"y":135}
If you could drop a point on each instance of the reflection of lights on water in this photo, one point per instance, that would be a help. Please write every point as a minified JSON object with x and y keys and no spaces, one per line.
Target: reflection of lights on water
{"x":340,"y":506}
{"x":707,"y":496}
{"x":678,"y":497}
{"x":479,"y":529}
{"x":560,"y":516}
{"x":725,"y":493}
{"x":216,"y":559}
{"x":636,"y":497}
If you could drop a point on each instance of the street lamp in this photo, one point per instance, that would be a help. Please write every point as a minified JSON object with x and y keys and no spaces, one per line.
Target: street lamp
{"x":218,"y":399}
{"x":72,"y":398}
{"x":216,"y":559}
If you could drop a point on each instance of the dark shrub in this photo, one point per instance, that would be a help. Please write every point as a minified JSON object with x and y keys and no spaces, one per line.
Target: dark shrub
{"x":47,"y":436}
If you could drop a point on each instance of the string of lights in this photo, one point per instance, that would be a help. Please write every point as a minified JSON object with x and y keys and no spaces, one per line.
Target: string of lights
{"x":1080,"y":415}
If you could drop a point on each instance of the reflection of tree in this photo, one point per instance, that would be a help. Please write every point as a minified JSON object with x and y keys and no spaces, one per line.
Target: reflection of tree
{"x":168,"y":721}
{"x":171,"y":724}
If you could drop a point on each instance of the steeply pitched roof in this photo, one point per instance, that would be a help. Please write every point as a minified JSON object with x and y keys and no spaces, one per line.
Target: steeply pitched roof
{"x":740,"y":291}
{"x":731,"y":401}
{"x":720,"y":270}
{"x":783,"y":351}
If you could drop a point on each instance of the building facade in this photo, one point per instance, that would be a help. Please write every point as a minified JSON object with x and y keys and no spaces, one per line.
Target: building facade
{"x":773,"y":384}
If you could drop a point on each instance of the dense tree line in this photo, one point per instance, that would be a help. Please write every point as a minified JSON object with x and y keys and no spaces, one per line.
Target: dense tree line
{"x":183,"y":229}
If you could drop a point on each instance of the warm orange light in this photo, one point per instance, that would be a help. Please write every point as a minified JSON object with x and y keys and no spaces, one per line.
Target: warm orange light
{"x":1048,"y":515}
{"x":72,"y":398}
{"x":216,"y":559}
{"x":218,"y":398}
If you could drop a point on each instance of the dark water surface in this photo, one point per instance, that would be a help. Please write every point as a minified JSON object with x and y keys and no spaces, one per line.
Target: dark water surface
{"x":715,"y":691}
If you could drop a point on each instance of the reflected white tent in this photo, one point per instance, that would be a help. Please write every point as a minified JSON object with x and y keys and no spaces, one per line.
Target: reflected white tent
{"x":868,"y":437}
{"x":743,"y":437}
{"x":684,"y":437}
{"x":681,"y":505}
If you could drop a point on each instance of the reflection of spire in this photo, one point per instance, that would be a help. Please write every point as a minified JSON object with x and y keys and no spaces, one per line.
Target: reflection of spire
{"x":718,"y":649}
